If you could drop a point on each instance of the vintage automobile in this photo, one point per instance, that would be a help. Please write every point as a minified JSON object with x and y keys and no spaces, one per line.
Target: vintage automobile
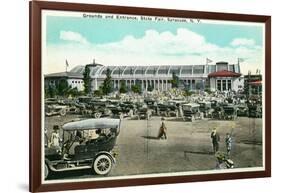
{"x":229,"y":112}
{"x":98,"y":108}
{"x":191,"y":112}
{"x":168,"y":108}
{"x":53,"y":108}
{"x":50,"y":101}
{"x":82,"y":104}
{"x":218,"y":112}
{"x":242,"y":110}
{"x":214,"y":104}
{"x":255,"y":110}
{"x":206,"y":108}
{"x":151,"y":104}
{"x":92,"y":107}
{"x":128,"y":108}
{"x":71,"y":106}
{"x":86,"y":144}
{"x":144,"y":113}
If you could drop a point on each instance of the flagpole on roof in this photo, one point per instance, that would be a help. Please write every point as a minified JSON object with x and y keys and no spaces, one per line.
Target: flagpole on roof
{"x":238,"y":63}
{"x":207,"y":63}
{"x":66,"y":65}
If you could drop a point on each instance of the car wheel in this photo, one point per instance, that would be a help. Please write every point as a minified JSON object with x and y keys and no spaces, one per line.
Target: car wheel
{"x":97,"y":115}
{"x":46,"y":171}
{"x":63,"y":112}
{"x":77,"y":111}
{"x":102,"y":164}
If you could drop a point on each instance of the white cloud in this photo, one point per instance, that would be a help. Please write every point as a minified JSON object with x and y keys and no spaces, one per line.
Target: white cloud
{"x":182,"y":47}
{"x":243,"y":42}
{"x":72,"y":36}
{"x":184,"y":42}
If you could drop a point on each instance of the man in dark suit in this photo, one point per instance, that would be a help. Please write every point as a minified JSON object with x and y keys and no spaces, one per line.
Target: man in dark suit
{"x":215,"y":140}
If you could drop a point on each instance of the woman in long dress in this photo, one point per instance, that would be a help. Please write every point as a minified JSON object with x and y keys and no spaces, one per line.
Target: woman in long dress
{"x":162,"y":130}
{"x":55,"y":137}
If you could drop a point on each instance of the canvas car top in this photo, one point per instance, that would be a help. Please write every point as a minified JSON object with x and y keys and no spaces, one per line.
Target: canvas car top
{"x":192,"y":105}
{"x":100,"y":123}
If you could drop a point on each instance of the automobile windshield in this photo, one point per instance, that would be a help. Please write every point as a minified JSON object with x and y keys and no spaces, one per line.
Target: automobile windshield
{"x":186,"y":108}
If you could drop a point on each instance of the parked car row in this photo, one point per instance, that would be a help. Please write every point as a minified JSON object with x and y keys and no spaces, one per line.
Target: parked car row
{"x":189,"y":108}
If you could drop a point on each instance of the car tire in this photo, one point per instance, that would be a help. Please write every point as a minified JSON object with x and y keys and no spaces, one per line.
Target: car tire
{"x":46,"y":171}
{"x":102,"y":164}
{"x":63,"y":112}
{"x":97,"y":115}
{"x":77,"y":111}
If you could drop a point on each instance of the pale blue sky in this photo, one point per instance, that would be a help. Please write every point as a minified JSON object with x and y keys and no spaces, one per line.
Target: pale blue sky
{"x":110,"y":30}
{"x":129,"y":42}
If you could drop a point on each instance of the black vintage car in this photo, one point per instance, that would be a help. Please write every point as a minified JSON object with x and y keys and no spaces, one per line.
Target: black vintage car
{"x":229,"y":112}
{"x":128,"y":107}
{"x":82,"y":104}
{"x":255,"y":110}
{"x":206,"y":108}
{"x":218,"y":112}
{"x":144,"y":113}
{"x":168,"y":108}
{"x":80,"y":150}
{"x":52,"y":107}
{"x":151,"y":104}
{"x":191,"y":112}
{"x":242,"y":110}
{"x":99,"y":108}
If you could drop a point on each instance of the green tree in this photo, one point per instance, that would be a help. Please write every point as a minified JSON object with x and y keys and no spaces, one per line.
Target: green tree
{"x":136,"y":88}
{"x":98,"y":93}
{"x":123,"y":87}
{"x":62,"y":87}
{"x":188,"y":92}
{"x":150,"y":87}
{"x":107,"y":83}
{"x":175,"y":80}
{"x":51,"y":91}
{"x":198,"y":85}
{"x":207,"y":90}
{"x":74,"y":92}
{"x":87,"y":80}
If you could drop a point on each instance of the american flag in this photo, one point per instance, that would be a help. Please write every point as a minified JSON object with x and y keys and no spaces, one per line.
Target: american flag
{"x":208,"y":61}
{"x":241,"y":60}
{"x":66,"y":63}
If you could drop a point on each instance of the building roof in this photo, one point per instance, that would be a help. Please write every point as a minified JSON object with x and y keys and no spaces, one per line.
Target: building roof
{"x":224,"y":73}
{"x":64,"y":75}
{"x":256,"y":83}
{"x":144,"y":70}
{"x":139,"y":71}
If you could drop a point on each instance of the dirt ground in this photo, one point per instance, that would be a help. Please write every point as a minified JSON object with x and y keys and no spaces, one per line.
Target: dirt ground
{"x":188,"y":147}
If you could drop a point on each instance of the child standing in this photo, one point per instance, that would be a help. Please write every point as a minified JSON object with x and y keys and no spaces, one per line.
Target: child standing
{"x":228,"y":143}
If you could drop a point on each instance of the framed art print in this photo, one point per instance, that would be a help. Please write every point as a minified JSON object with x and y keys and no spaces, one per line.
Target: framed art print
{"x":123,"y":96}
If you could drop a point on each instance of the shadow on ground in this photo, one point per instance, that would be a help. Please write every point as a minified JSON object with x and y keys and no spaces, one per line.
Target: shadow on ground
{"x":150,"y":137}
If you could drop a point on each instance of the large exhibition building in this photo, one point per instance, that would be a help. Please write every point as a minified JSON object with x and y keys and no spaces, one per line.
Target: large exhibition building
{"x":220,"y":76}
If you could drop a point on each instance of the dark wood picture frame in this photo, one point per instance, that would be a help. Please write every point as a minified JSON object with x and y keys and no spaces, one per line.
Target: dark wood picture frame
{"x":35,"y":94}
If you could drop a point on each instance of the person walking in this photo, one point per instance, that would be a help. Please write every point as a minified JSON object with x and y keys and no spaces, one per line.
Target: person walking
{"x":215,"y":140}
{"x":162,"y":130}
{"x":228,"y":143}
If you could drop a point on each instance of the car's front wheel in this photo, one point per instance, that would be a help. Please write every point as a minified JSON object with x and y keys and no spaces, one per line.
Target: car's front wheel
{"x":46,"y":171}
{"x":102,"y":164}
{"x":97,"y":115}
{"x":62,"y":112}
